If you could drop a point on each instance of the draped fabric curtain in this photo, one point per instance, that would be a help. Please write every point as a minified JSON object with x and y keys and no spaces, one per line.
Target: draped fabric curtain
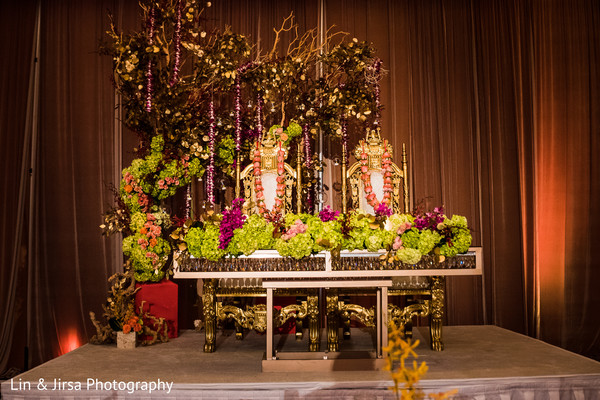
{"x":17,"y":29}
{"x":497,"y":102}
{"x":566,"y":176}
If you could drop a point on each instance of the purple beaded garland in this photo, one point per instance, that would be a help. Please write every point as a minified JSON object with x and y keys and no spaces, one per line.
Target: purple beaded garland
{"x":210,"y":171}
{"x":177,"y":45}
{"x":149,"y":84}
{"x":377,"y":91}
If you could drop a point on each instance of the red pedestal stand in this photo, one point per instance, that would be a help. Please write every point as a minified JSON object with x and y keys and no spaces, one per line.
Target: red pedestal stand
{"x":159,"y":300}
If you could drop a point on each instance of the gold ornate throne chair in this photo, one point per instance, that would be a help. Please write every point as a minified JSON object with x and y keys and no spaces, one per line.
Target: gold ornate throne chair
{"x":229,"y":299}
{"x":409,"y":296}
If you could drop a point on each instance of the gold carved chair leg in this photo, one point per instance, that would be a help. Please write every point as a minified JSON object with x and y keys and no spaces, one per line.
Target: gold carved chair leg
{"x":438,"y":284}
{"x":210,"y":320}
{"x":312,"y":306}
{"x":402,"y":316}
{"x":332,"y":320}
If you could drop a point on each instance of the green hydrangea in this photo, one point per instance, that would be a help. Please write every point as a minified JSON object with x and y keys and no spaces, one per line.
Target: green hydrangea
{"x":297,"y":247}
{"x":408,"y":256}
{"x":375,"y":240}
{"x":147,"y":261}
{"x":427,"y":241}
{"x":395,"y":221}
{"x":327,"y":235}
{"x":360,"y":230}
{"x":293,"y":130}
{"x":410,"y":238}
{"x":457,"y":221}
{"x":461,"y":241}
{"x":193,"y":239}
{"x":204,"y":243}
{"x":256,"y":234}
{"x":138,"y":219}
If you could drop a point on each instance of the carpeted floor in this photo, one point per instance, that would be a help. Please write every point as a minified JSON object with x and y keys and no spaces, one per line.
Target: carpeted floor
{"x":472,"y":354}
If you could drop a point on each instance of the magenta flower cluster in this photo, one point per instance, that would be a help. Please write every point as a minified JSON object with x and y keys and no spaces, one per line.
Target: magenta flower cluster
{"x":429,"y":220}
{"x":382,"y":210}
{"x":233,"y":218}
{"x":327,"y":214}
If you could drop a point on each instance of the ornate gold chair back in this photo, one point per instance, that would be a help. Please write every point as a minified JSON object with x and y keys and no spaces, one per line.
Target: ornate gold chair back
{"x":372,"y":153}
{"x":265,"y":170}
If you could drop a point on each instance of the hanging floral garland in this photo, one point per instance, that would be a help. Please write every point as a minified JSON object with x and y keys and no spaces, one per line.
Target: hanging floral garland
{"x":280,"y":190}
{"x":377,"y":91}
{"x":386,"y":164}
{"x":210,"y":171}
{"x":149,"y":84}
{"x":177,"y":46}
{"x":258,"y":186}
{"x":308,"y":164}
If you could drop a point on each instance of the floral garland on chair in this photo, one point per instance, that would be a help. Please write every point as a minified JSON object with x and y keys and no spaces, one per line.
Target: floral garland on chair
{"x":386,"y":163}
{"x":258,"y":187}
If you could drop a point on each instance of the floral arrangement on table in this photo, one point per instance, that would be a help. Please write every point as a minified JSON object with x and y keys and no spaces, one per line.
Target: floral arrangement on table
{"x":406,"y":237}
{"x":197,"y":121}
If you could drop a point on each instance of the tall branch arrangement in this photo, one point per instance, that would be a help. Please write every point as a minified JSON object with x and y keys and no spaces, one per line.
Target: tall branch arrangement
{"x":193,"y":97}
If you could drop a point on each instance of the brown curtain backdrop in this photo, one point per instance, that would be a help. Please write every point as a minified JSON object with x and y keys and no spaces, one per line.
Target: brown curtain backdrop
{"x":497,"y":102}
{"x":17,"y":25}
{"x":566,"y":171}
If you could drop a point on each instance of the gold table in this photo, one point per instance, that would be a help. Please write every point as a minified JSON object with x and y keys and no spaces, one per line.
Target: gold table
{"x":326,"y":271}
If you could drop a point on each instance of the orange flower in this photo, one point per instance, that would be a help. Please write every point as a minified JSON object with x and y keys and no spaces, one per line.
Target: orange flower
{"x":137,"y":327}
{"x":143,"y":231}
{"x":126,"y":328}
{"x":128,"y":188}
{"x":153,"y":242}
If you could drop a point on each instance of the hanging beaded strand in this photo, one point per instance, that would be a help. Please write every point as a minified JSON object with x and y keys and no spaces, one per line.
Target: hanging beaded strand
{"x":210,"y":178}
{"x":345,"y":140}
{"x":238,"y":114}
{"x":177,"y":46}
{"x":259,"y":117}
{"x":149,"y":85}
{"x":377,"y":91}
{"x":188,"y":201}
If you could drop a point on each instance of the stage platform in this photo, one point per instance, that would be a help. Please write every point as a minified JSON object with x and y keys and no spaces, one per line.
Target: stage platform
{"x":482,"y":362}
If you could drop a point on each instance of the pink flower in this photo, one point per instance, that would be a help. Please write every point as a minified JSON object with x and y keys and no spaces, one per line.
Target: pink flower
{"x":299,"y":226}
{"x":404,"y":227}
{"x":397,"y":243}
